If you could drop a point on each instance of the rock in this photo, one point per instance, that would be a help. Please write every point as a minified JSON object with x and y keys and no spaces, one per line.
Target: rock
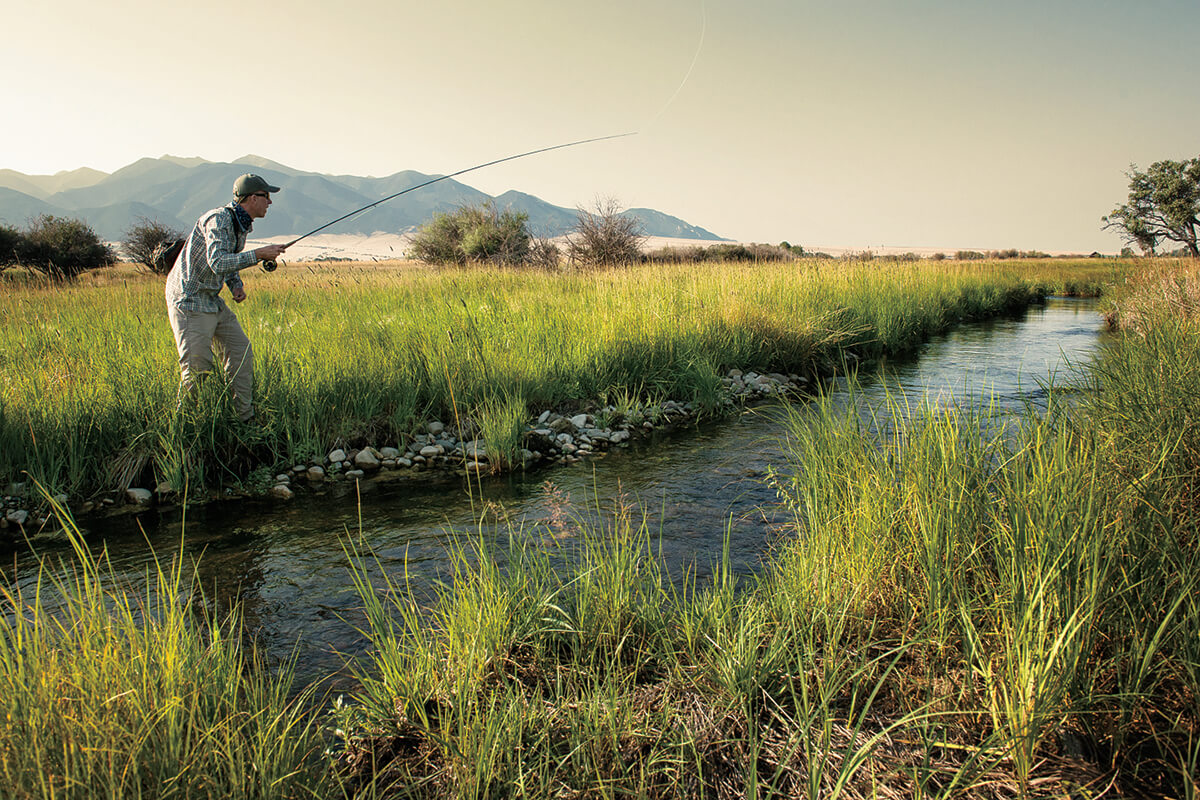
{"x":476,"y":450}
{"x":316,"y":474}
{"x":366,"y":460}
{"x":355,"y":474}
{"x":389,"y":463}
{"x":281,"y":491}
{"x":435,"y":428}
{"x":17,"y":517}
{"x":337,"y":455}
{"x":619,"y":437}
{"x":542,"y":419}
{"x":569,"y":448}
{"x":579,"y":421}
{"x":283,"y":477}
{"x":431,"y":451}
{"x":475,"y":466}
{"x":560,"y":425}
{"x":404,"y":462}
{"x":300,"y":469}
{"x":389,"y":452}
{"x":139,"y":497}
{"x":16,"y":489}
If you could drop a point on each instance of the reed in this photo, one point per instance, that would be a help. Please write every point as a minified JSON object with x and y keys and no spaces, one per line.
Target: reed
{"x":360,"y":354}
{"x":143,"y":692}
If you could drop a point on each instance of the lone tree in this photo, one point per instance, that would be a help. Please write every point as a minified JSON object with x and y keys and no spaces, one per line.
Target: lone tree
{"x":1164,"y":203}
{"x":605,"y":237}
{"x":473,"y":234}
{"x":144,"y":239}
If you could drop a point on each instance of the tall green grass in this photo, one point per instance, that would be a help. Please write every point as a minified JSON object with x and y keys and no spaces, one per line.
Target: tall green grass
{"x":123,"y":692}
{"x":961,"y":610}
{"x":355,"y":354}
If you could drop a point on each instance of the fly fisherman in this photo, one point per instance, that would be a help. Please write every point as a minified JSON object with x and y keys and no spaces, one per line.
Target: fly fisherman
{"x":211,"y":256}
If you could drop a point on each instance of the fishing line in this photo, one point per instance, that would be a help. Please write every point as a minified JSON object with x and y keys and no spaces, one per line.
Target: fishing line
{"x":692,"y":66}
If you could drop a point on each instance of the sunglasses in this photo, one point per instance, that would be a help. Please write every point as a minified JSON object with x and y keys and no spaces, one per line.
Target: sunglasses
{"x":261,"y":194}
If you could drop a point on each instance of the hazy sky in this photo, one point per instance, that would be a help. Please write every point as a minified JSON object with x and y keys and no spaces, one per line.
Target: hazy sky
{"x":851,"y":123}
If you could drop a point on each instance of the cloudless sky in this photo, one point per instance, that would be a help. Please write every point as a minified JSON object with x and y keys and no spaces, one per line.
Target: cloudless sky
{"x":840,"y":123}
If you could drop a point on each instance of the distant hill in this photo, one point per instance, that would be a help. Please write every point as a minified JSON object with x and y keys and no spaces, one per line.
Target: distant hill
{"x":175,"y":191}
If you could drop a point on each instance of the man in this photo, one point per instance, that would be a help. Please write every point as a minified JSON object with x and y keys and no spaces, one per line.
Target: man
{"x":211,"y":256}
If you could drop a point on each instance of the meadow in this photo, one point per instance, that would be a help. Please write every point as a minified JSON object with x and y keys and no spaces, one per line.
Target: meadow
{"x":955,"y":611}
{"x":358,"y":354}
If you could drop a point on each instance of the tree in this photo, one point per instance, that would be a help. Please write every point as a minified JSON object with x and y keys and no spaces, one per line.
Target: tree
{"x":604,"y":237}
{"x":62,"y":248}
{"x":143,"y":240}
{"x":1164,"y":204}
{"x":9,"y":239}
{"x":473,"y":234}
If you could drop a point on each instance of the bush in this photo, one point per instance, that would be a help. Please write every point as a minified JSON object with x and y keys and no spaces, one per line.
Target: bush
{"x":969,"y":255}
{"x":604,"y":237}
{"x":474,"y":234}
{"x":144,"y":239}
{"x":9,"y":237}
{"x":62,"y":248}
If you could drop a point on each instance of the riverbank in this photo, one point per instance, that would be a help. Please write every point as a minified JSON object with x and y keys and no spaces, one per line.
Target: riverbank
{"x":993,"y":617}
{"x":357,"y":356}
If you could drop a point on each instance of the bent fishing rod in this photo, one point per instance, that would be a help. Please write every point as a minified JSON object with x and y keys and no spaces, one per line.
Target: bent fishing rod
{"x":271,"y":265}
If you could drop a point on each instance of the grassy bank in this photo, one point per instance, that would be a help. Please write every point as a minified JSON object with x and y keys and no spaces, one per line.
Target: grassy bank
{"x":356,"y":353}
{"x":955,"y":614}
{"x":951,"y":614}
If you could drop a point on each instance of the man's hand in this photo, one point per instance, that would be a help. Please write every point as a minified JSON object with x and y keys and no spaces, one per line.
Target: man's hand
{"x":269,"y":252}
{"x":239,"y":294}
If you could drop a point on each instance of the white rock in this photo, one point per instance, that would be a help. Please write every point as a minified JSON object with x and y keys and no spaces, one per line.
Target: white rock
{"x":283,"y":477}
{"x":300,"y":469}
{"x":139,"y":497}
{"x":355,"y":473}
{"x":476,"y":450}
{"x":475,"y":466}
{"x":337,"y":455}
{"x":579,"y":420}
{"x":17,"y":516}
{"x":544,"y":416}
{"x":316,"y":474}
{"x":281,"y":491}
{"x":431,"y":451}
{"x":435,"y":428}
{"x":619,"y":436}
{"x":388,"y":452}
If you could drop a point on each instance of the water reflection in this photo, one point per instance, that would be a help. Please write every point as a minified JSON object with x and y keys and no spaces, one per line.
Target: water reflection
{"x":287,"y":566}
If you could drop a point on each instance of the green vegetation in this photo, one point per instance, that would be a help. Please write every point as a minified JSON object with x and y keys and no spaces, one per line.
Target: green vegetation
{"x":59,"y":248}
{"x":129,"y":692}
{"x":145,"y":241}
{"x":954,"y":612}
{"x":88,"y":396}
{"x":473,"y":235}
{"x":1163,"y":206}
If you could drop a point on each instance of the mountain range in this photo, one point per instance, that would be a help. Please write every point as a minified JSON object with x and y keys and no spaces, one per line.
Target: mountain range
{"x":176,"y":191}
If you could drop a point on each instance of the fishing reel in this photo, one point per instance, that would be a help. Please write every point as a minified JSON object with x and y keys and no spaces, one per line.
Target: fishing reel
{"x":270,"y":265}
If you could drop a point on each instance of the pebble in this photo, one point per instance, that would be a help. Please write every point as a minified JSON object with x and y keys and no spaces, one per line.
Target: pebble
{"x":316,"y":473}
{"x":281,"y":491}
{"x":337,"y":455}
{"x":140,"y":497}
{"x":17,"y":517}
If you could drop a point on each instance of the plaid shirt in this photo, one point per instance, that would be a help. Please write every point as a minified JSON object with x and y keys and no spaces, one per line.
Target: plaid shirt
{"x":212,"y":255}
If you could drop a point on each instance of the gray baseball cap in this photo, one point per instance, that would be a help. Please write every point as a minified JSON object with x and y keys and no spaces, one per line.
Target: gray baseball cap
{"x":251,"y":183}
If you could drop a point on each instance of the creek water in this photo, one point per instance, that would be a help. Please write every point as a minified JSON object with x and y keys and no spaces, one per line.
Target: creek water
{"x":699,"y":486}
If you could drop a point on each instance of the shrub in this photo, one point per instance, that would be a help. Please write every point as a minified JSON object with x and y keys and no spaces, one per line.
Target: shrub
{"x":969,"y":255}
{"x":62,"y":248}
{"x":473,"y":234}
{"x":9,"y":237}
{"x":144,"y":238}
{"x":603,"y":237}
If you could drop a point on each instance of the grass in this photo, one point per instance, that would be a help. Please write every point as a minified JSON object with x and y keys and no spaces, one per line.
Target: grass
{"x":126,"y":692}
{"x":957,"y":611}
{"x":360,"y":354}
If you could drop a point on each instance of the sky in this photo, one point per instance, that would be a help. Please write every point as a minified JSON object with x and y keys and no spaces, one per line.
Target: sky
{"x":862,"y":124}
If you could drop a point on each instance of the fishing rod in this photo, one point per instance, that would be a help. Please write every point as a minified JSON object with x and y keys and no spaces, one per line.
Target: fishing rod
{"x":271,"y":264}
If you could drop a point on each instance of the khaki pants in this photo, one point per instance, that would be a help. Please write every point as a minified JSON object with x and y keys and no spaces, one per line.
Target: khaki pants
{"x":195,"y":334}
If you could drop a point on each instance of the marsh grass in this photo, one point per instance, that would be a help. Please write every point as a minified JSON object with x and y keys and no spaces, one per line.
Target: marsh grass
{"x":142,"y":692}
{"x":355,"y":354}
{"x":964,"y":609}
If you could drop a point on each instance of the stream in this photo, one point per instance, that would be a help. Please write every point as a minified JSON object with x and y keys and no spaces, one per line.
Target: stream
{"x":698,"y":485}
